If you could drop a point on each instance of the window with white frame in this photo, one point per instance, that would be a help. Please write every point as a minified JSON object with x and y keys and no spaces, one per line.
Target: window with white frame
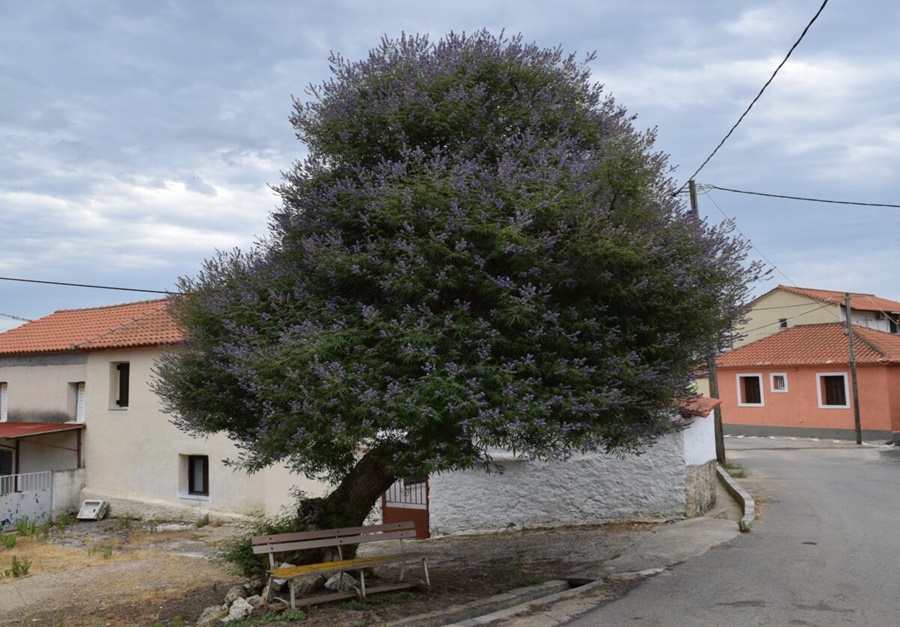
{"x":750,"y":393}
{"x":779,"y":382}
{"x":4,"y":402}
{"x":832,"y":389}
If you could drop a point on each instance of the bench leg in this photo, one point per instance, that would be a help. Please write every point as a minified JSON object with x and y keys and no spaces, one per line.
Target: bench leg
{"x":402,"y":571}
{"x":425,"y":568}
{"x":291,"y":588}
{"x":362,"y":583}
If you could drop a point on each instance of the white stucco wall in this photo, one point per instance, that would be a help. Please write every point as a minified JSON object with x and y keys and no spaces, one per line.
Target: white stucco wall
{"x":699,"y":441}
{"x":67,"y":486}
{"x":135,"y":455}
{"x":587,"y":489}
{"x":39,"y":387}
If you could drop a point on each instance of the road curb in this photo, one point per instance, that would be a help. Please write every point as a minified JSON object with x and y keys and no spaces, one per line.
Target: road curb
{"x":748,"y":505}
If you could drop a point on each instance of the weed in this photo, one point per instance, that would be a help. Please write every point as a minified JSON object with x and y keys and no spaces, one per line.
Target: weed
{"x":203,"y":520}
{"x":743,"y":526}
{"x":65,"y":520}
{"x":105,"y":550}
{"x":125,"y":522}
{"x":504,"y":571}
{"x":152,"y":525}
{"x":275,"y":617}
{"x":175,"y":622}
{"x":530,"y":581}
{"x":9,"y":541}
{"x":25,"y":526}
{"x":237,"y":551}
{"x":19,"y":568}
{"x":736,"y":472}
{"x":357,"y":606}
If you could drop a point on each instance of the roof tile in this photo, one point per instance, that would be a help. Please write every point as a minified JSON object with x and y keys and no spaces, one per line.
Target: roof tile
{"x":131,"y":325}
{"x":858,"y":301}
{"x":815,"y":344}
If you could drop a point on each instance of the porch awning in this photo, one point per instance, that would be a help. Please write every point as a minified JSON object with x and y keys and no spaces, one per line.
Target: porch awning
{"x":17,"y":430}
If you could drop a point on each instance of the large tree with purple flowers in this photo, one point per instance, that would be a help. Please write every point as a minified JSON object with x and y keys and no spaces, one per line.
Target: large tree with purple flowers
{"x":478,"y":252}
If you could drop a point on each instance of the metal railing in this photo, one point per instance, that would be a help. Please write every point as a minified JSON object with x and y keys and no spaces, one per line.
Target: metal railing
{"x":26,"y":482}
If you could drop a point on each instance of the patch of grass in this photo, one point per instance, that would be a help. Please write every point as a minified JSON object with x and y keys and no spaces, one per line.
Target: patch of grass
{"x":203,"y":520}
{"x":530,"y":581}
{"x":126,"y":522}
{"x":26,"y":527}
{"x":237,"y":552}
{"x":152,"y":525}
{"x":64,"y":520}
{"x":9,"y":540}
{"x":18,"y":568}
{"x":736,"y":472}
{"x":106,"y":550}
{"x":357,"y":606}
{"x":289,"y":616}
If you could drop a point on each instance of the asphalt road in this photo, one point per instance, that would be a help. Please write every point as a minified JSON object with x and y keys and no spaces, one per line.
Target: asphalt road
{"x":824,"y":551}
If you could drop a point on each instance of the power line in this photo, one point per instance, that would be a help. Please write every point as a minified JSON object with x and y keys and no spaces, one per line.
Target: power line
{"x":833,"y":202}
{"x":749,"y":241}
{"x":95,"y":287}
{"x":6,"y":315}
{"x":753,"y":102}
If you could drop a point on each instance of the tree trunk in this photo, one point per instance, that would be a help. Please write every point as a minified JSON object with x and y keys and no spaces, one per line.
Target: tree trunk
{"x":350,"y":503}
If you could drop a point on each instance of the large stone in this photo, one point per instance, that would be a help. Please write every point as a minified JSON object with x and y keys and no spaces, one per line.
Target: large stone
{"x":235,"y":592}
{"x":256,"y":601}
{"x":240,"y":610}
{"x":212,"y":615}
{"x":342,"y":582}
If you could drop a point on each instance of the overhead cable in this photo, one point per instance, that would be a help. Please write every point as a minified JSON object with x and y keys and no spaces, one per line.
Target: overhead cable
{"x":753,"y":102}
{"x":96,"y":287}
{"x":833,"y":202}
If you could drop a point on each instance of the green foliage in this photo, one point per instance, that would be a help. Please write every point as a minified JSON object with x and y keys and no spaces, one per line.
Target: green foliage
{"x":202,"y":521}
{"x":237,"y":552}
{"x":18,"y":568}
{"x":26,"y":527}
{"x":65,"y":520}
{"x":126,"y":522}
{"x":9,"y":540}
{"x":105,"y":550}
{"x":480,"y":251}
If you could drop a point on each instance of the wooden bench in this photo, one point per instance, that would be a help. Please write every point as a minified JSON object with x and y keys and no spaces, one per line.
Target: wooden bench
{"x":340,"y":538}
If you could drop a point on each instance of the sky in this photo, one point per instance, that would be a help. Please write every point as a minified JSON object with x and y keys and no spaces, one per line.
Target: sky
{"x":137,"y":138}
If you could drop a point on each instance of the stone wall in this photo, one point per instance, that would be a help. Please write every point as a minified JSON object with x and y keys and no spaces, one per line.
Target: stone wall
{"x":587,"y":489}
{"x":699,"y":489}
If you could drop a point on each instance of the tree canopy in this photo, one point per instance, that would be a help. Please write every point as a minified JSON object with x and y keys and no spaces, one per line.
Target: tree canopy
{"x":479,"y":250}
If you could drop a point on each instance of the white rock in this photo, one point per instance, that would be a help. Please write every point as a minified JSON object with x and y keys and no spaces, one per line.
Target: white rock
{"x":240,"y":610}
{"x":342,"y":582}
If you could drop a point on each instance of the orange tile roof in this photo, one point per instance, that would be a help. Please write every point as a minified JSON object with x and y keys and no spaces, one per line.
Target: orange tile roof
{"x":131,"y":325}
{"x":858,"y":301}
{"x":815,"y":345}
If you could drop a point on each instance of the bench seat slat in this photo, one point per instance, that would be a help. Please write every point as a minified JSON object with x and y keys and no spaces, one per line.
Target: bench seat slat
{"x":358,"y":563}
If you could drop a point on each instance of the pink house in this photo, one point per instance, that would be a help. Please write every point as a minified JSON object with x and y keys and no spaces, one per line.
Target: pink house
{"x":798,"y":383}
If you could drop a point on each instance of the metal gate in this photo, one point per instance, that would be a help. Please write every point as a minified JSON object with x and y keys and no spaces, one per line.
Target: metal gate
{"x":407,"y":501}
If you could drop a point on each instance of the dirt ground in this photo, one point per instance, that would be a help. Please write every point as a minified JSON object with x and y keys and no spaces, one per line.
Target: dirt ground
{"x":122,"y":572}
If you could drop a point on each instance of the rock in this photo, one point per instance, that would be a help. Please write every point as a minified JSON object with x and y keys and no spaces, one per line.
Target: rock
{"x":342,"y":582}
{"x":256,"y":600}
{"x":308,"y":584}
{"x":253,"y":586}
{"x":212,"y":615}
{"x":278,"y":584}
{"x":235,"y":592}
{"x":240,"y":610}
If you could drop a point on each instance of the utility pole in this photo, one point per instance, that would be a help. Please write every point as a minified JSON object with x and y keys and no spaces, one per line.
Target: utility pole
{"x":711,"y":358}
{"x":856,"y":421}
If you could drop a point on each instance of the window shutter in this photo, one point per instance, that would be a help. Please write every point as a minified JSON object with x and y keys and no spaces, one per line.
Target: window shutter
{"x":123,"y":369}
{"x":4,"y":403}
{"x":79,"y":402}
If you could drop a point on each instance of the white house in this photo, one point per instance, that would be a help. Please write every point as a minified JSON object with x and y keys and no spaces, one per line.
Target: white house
{"x":76,"y":388}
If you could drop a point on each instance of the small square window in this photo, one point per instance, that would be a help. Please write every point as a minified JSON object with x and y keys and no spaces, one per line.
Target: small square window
{"x":779,"y":382}
{"x":782,"y":323}
{"x":198,"y":475}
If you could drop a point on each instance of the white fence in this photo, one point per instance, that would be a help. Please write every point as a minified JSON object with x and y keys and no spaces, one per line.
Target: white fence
{"x":28,"y":495}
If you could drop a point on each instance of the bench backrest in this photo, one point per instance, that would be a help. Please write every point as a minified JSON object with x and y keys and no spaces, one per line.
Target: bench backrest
{"x":323,"y":538}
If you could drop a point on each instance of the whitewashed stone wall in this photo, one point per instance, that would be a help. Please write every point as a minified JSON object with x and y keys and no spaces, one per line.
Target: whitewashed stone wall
{"x":587,"y":489}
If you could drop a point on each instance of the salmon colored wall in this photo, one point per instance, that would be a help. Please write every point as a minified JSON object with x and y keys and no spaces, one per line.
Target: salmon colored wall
{"x":879,"y":397}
